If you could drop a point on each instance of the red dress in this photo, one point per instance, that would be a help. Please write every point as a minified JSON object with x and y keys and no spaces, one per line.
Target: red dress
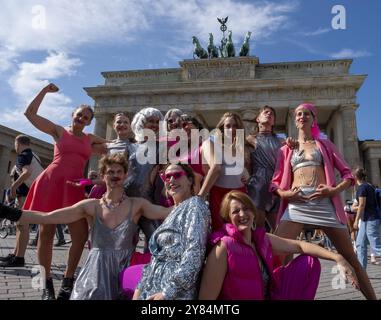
{"x":50,"y":190}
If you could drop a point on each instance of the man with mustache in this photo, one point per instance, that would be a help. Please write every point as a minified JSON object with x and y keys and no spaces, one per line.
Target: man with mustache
{"x":113,"y":220}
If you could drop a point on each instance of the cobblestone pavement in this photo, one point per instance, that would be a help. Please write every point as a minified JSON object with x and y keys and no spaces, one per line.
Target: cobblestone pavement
{"x":20,"y":284}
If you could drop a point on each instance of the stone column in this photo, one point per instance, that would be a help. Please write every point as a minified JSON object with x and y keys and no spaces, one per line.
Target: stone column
{"x":100,"y":130}
{"x":5,"y":157}
{"x":292,"y":131}
{"x":375,"y":172}
{"x":334,"y":130}
{"x":110,"y":132}
{"x":248,"y":118}
{"x":350,"y":141}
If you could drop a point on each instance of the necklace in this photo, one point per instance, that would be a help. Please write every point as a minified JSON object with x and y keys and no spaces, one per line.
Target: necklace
{"x":307,"y":140}
{"x":313,"y":181}
{"x":110,"y":204}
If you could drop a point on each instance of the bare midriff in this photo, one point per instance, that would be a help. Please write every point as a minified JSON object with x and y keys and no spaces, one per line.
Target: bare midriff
{"x":309,"y":176}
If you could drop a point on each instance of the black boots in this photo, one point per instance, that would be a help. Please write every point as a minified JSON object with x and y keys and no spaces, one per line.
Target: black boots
{"x":13,"y":261}
{"x":7,"y":258}
{"x":48,"y":292}
{"x":63,"y":294}
{"x":66,"y":289}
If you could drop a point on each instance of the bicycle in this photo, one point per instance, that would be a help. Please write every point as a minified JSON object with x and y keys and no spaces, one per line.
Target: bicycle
{"x":7,"y":228}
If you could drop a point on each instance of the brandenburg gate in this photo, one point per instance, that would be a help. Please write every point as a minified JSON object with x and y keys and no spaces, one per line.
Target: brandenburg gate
{"x":207,"y":88}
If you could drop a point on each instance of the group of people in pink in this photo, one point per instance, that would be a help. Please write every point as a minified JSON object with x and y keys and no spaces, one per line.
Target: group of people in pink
{"x":204,"y":228}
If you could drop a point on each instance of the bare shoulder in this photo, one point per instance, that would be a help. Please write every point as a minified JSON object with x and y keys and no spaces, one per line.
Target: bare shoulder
{"x":220,"y":246}
{"x":89,"y":206}
{"x":220,"y":250}
{"x":96,"y":139}
{"x":137,"y":203}
{"x":58,"y":131}
{"x":137,"y":200}
{"x":251,"y":140}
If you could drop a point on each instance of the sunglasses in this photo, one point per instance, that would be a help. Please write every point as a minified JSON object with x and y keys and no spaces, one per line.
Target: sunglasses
{"x":166,"y":177}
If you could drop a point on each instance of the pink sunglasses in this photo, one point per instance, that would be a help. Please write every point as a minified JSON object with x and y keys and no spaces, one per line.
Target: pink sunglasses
{"x":166,"y":177}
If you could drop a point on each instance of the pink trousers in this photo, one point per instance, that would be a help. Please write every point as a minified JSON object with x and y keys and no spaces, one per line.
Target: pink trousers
{"x":298,"y":280}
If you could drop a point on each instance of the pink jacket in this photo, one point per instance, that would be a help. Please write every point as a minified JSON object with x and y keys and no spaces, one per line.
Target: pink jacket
{"x":282,"y":177}
{"x":243,"y":280}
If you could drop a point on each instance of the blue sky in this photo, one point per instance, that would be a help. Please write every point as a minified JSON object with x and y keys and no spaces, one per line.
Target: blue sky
{"x":71,"y":42}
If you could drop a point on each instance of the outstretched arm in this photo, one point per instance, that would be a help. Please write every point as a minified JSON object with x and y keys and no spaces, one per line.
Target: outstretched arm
{"x":99,"y":148}
{"x":61,"y":216}
{"x":151,"y":211}
{"x":39,"y":122}
{"x":97,"y":140}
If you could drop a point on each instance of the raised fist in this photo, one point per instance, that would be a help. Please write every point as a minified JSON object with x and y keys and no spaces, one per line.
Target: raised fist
{"x":51,"y":87}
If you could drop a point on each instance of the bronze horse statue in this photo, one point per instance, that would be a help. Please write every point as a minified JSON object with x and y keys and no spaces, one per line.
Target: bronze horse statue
{"x":230,"y":46}
{"x":198,"y":51}
{"x":212,"y":49}
{"x":223,"y":51}
{"x":245,"y":46}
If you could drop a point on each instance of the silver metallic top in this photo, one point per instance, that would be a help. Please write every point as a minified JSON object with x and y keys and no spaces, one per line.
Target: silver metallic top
{"x":298,"y":159}
{"x":178,"y":252}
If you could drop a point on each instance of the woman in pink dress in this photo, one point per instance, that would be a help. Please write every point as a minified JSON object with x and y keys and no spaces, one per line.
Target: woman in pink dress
{"x":51,"y":190}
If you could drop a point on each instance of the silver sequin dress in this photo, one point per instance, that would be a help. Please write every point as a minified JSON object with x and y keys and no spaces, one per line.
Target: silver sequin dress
{"x":263,"y":160}
{"x":178,"y":252}
{"x":110,"y":253}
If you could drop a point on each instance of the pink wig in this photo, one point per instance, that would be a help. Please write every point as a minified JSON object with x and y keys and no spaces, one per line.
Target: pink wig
{"x":315,"y":131}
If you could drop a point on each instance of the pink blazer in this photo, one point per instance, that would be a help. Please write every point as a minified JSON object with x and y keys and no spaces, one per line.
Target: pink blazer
{"x":332,"y":159}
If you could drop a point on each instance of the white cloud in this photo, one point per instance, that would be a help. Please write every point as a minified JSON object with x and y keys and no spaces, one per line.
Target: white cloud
{"x":350,"y":53}
{"x":68,"y":26}
{"x":200,"y":17}
{"x":65,"y":24}
{"x":309,"y":48}
{"x":317,"y":32}
{"x":7,"y":57}
{"x":32,"y":77}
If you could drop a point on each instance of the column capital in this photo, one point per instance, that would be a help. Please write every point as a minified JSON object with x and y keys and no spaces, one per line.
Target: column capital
{"x":100,"y":115}
{"x":348,"y":107}
{"x":249,"y":114}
